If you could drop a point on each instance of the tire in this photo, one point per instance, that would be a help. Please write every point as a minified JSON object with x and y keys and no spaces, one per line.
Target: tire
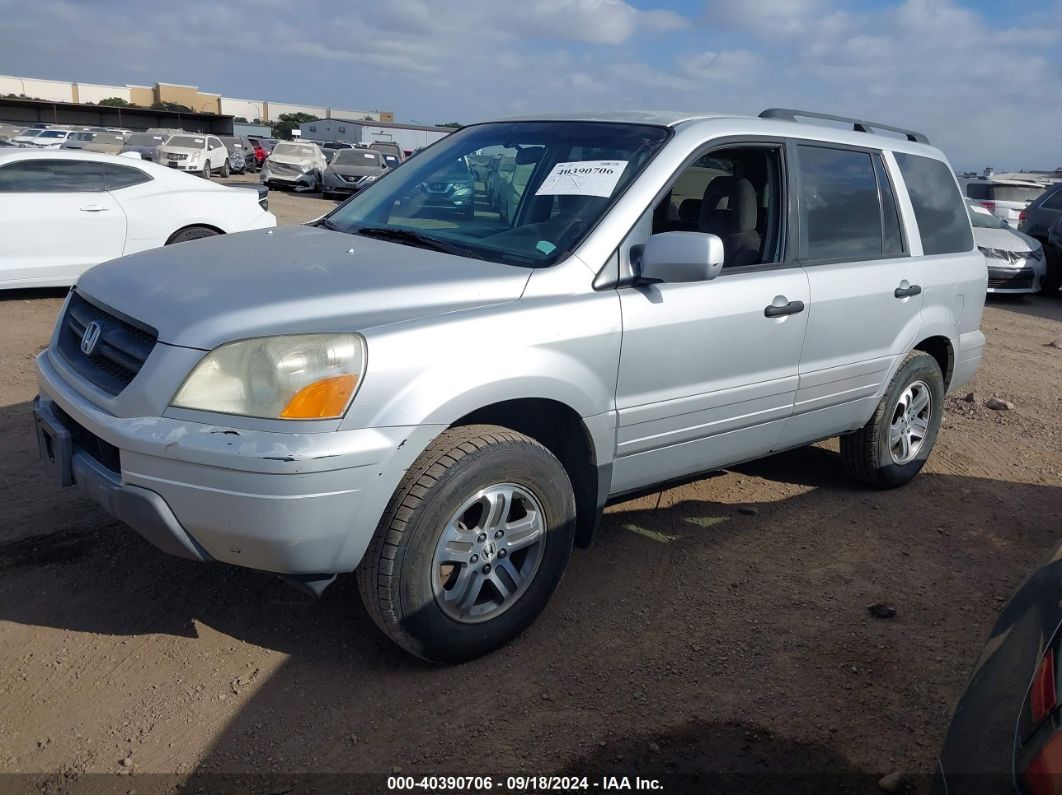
{"x":205,"y":173}
{"x":1053,"y":276}
{"x":415,"y":597}
{"x":868,"y":455}
{"x":225,"y":171}
{"x":192,"y":233}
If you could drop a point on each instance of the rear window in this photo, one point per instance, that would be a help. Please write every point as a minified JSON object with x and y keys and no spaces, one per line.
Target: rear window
{"x":988,"y":191}
{"x":1054,"y":201}
{"x":938,"y":206}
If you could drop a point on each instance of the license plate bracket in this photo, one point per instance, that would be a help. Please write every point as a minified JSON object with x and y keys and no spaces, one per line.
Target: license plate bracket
{"x":54,"y":444}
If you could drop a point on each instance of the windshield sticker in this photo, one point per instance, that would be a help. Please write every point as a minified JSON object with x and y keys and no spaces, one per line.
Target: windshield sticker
{"x":583,"y":178}
{"x":546,"y":247}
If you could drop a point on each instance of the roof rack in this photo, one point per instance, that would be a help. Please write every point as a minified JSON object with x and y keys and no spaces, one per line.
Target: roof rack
{"x":858,"y":125}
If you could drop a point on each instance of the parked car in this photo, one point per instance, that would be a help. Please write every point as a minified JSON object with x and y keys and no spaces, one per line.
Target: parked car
{"x":27,"y":135}
{"x":501,"y":172}
{"x":145,"y":144}
{"x":48,"y":139}
{"x":1036,"y":221}
{"x":1004,"y":198}
{"x":1015,"y":260}
{"x":82,"y":139}
{"x":245,"y":149}
{"x":262,"y":147}
{"x":511,"y":190}
{"x":446,"y":406}
{"x":391,"y":151}
{"x":297,"y":165}
{"x":1006,"y":734}
{"x":351,"y":170}
{"x":104,"y":207}
{"x":202,"y":154}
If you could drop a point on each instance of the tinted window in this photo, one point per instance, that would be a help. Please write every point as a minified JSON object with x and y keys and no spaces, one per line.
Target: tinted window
{"x":938,"y":206}
{"x":51,"y":176}
{"x":979,"y":190}
{"x":891,"y":237}
{"x":119,"y":177}
{"x":1054,"y":201}
{"x":839,"y":204}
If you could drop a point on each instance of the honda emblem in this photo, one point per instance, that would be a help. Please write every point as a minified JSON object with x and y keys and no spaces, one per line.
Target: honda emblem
{"x":91,"y":337}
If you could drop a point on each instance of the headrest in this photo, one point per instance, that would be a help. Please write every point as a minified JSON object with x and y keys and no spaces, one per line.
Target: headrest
{"x":734,"y":194}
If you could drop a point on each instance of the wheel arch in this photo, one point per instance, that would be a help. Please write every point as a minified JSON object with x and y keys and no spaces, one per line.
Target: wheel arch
{"x":186,"y":227}
{"x":560,"y":429}
{"x":941,"y":349}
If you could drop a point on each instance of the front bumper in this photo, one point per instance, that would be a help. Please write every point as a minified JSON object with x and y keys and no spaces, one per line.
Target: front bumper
{"x":289,"y":503}
{"x":1024,"y":279}
{"x":271,"y":177}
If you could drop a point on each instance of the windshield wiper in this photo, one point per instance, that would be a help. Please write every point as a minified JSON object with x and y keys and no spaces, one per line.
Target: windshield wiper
{"x":409,"y":237}
{"x":324,"y":222}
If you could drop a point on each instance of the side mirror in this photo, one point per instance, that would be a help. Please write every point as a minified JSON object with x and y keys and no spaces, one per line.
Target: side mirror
{"x":677,"y":257}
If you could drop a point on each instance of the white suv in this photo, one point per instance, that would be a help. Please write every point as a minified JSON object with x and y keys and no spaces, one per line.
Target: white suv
{"x":203,"y":154}
{"x":1004,"y":198}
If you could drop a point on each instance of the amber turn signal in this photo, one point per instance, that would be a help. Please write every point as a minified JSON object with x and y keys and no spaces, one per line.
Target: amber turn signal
{"x":321,"y":399}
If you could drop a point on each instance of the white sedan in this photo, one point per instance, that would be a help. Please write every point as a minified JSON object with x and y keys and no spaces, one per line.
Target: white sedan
{"x":61,"y":212}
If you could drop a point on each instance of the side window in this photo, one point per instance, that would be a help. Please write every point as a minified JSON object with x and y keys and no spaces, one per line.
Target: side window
{"x":979,"y":191}
{"x":938,"y":206}
{"x":734,"y":193}
{"x":52,"y":176}
{"x":1054,"y":201}
{"x":118,"y":177}
{"x":891,"y":237}
{"x":839,"y":204}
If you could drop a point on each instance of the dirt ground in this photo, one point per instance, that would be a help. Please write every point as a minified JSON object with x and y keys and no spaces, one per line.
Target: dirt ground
{"x":692,"y":638}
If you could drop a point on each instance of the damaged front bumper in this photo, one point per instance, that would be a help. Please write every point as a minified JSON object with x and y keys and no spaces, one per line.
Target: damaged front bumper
{"x":289,"y":503}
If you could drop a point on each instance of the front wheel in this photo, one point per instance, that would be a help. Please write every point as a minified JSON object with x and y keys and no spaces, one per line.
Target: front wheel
{"x":472,"y":545}
{"x":225,"y":171}
{"x":893,"y":446}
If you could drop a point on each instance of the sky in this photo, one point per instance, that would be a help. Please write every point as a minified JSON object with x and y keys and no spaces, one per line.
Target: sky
{"x":983,"y":79}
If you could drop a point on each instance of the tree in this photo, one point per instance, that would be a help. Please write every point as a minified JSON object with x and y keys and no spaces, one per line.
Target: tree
{"x":287,"y":122}
{"x":171,"y":106}
{"x":115,"y":102}
{"x":455,"y":124}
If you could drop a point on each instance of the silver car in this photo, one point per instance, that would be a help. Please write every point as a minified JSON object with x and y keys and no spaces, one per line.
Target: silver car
{"x":446,"y":404}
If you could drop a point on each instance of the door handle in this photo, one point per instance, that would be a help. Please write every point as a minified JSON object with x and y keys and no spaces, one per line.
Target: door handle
{"x":907,"y":292}
{"x":792,"y":308}
{"x":94,"y":208}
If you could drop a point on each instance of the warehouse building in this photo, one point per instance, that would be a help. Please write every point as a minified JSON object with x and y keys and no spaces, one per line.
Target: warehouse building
{"x":361,"y":131}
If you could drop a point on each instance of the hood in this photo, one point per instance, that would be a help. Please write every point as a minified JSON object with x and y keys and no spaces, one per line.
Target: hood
{"x":293,"y":160}
{"x":357,"y":171}
{"x":1004,"y":239}
{"x":142,"y":149}
{"x":296,"y":279}
{"x":185,"y":150}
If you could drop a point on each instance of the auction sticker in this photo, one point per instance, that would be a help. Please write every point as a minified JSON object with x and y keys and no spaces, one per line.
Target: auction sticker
{"x":583,"y":178}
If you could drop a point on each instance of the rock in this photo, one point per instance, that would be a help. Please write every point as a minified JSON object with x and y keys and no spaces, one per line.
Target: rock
{"x":891,"y":783}
{"x":748,"y":510}
{"x":998,"y":404}
{"x":881,"y":610}
{"x":126,"y":761}
{"x":1054,"y":343}
{"x":971,"y":397}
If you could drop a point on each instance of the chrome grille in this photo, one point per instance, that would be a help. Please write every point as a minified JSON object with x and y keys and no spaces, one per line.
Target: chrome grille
{"x":120,"y":350}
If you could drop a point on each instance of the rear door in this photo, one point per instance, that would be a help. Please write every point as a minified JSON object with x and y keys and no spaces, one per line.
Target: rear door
{"x":865,"y":287}
{"x":56,"y":221}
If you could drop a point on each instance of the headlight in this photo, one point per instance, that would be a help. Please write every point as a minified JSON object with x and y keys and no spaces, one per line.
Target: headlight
{"x":299,"y":377}
{"x":305,"y":169}
{"x":1037,"y":253}
{"x":368,"y":180}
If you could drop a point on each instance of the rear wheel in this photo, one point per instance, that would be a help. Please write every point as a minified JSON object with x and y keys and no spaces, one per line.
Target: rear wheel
{"x":472,"y":545}
{"x":192,"y":233}
{"x":1053,"y":277}
{"x":893,"y":446}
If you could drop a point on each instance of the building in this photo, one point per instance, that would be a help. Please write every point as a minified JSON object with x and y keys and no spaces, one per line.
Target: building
{"x":253,"y":110}
{"x":25,"y":112}
{"x":360,"y":131}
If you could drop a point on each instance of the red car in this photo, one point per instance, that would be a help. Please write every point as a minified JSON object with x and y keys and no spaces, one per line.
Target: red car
{"x":262,"y":148}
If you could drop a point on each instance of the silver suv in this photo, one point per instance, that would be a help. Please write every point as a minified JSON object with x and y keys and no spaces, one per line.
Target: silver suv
{"x":446,"y":402}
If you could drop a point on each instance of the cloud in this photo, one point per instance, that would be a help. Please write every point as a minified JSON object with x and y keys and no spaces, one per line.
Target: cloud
{"x":768,"y":18}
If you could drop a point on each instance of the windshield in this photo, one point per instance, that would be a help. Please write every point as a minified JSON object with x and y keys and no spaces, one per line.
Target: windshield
{"x":85,"y":136}
{"x":294,"y":150}
{"x":30,"y":133}
{"x":53,"y":134}
{"x":145,"y":139}
{"x":980,"y":216}
{"x":187,"y":141}
{"x":355,"y":157}
{"x":567,"y":175}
